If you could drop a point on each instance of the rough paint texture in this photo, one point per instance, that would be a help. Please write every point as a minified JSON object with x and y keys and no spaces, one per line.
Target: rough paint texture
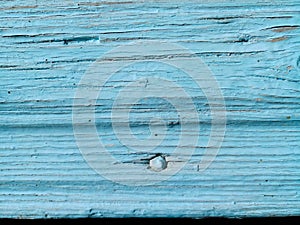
{"x":252,"y":47}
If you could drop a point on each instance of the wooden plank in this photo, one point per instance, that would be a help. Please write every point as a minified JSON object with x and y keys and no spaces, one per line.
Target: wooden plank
{"x":251,"y":49}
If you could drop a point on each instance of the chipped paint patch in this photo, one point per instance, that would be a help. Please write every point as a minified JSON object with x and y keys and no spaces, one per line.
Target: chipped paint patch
{"x":278,"y":39}
{"x":280,"y":29}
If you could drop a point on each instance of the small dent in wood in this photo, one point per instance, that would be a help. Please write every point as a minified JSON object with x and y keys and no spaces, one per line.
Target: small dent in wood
{"x":244,"y":38}
{"x":298,"y":62}
{"x":173,"y":123}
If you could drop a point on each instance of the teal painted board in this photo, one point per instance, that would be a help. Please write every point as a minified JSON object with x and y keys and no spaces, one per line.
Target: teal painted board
{"x":149,"y":108}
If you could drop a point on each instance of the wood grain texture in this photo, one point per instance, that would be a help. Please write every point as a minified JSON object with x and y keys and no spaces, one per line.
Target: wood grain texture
{"x":252,"y":48}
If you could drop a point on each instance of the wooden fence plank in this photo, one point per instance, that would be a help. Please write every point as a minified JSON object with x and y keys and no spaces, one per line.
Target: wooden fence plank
{"x":251,"y":48}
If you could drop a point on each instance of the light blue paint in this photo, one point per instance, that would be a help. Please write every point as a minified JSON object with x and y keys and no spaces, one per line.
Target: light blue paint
{"x":256,"y":172}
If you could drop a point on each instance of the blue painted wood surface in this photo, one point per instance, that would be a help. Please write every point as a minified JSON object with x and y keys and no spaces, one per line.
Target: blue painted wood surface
{"x":252,"y":48}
